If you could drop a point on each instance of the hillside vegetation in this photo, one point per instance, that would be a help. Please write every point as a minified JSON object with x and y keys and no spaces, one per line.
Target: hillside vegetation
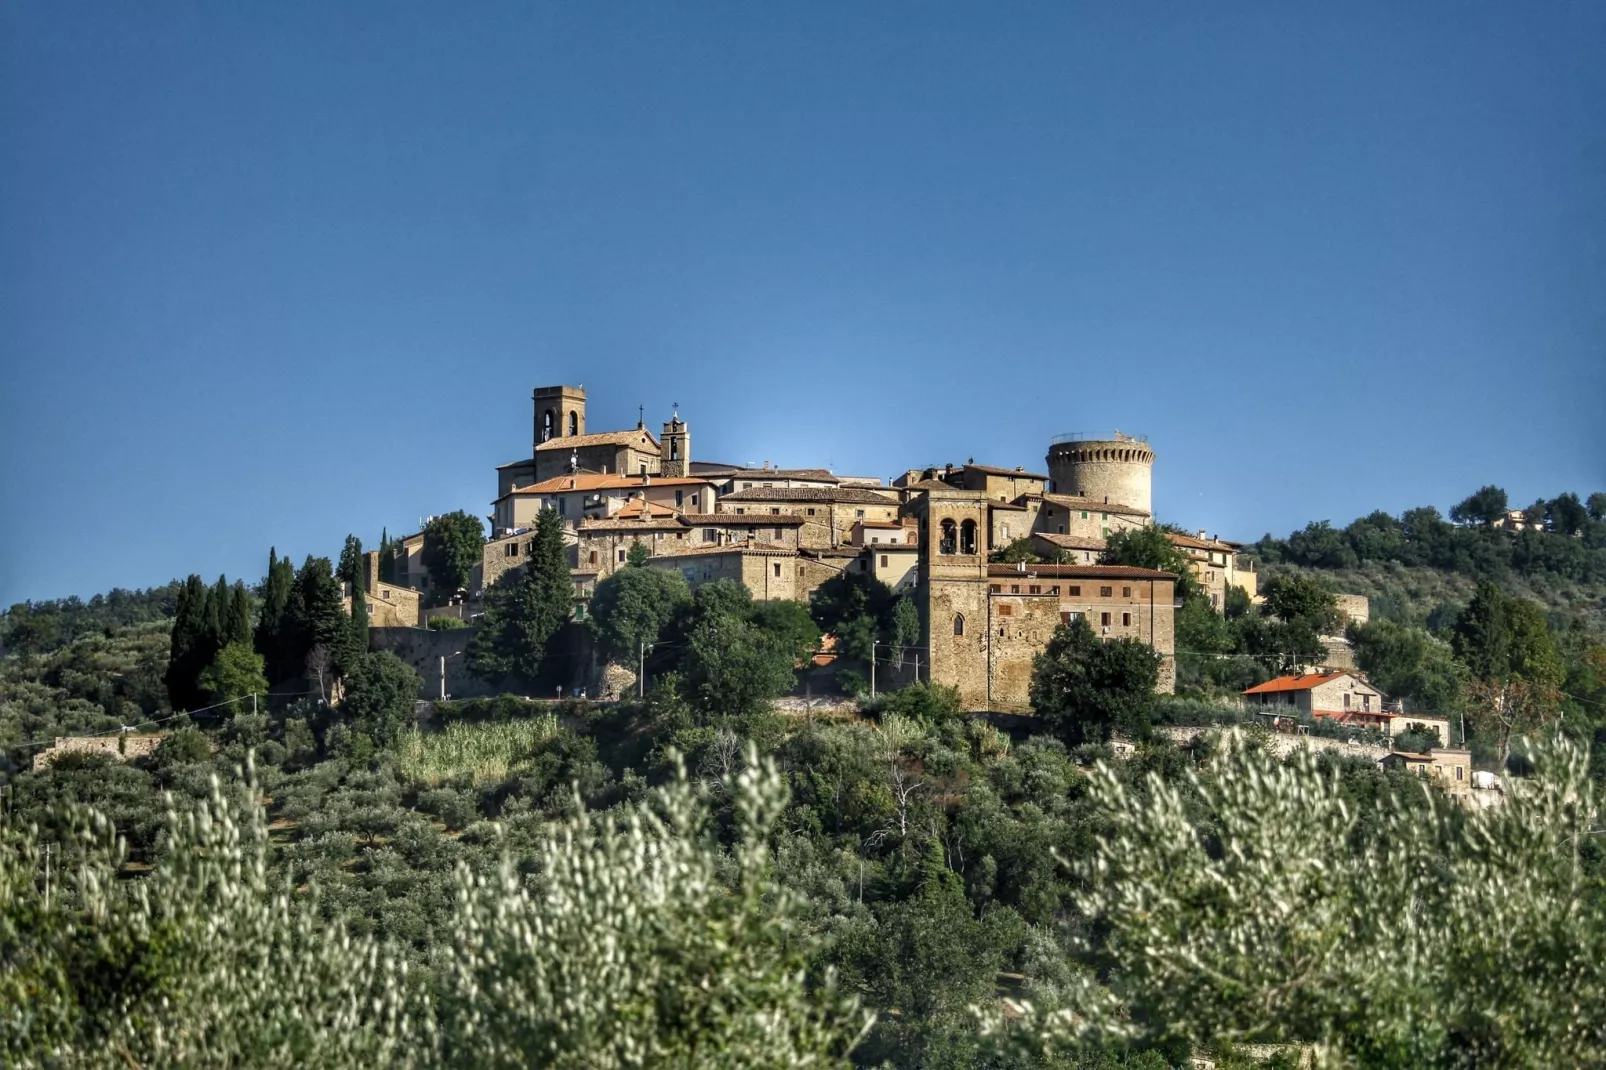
{"x":695,"y":880}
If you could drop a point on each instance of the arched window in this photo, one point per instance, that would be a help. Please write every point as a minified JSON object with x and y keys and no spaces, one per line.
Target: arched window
{"x":574,"y":423}
{"x":967,"y":537}
{"x":546,"y":425}
{"x":959,"y":624}
{"x":674,"y":449}
{"x":949,"y":540}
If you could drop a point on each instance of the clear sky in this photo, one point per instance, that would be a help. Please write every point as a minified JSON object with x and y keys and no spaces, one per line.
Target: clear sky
{"x":274,"y":272}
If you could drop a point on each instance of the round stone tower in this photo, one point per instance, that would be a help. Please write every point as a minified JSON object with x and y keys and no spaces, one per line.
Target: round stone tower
{"x":1116,"y":470}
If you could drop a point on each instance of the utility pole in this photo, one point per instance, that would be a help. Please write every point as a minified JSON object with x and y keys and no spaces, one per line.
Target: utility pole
{"x":253,"y":704}
{"x":641,"y":668}
{"x":873,"y":645}
{"x":48,"y":846}
{"x":453,"y":654}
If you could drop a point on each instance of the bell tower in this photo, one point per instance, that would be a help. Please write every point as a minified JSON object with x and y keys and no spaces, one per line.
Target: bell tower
{"x":953,"y":571}
{"x":676,"y":462}
{"x":560,"y":412}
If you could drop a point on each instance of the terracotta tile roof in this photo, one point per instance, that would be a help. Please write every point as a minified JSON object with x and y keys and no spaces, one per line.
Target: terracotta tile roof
{"x":1092,"y":572}
{"x":629,"y":523}
{"x":1179,"y":539}
{"x":893,"y":524}
{"x":1070,"y":542}
{"x":741,"y":520}
{"x":1093,"y":506}
{"x":729,"y":548}
{"x":1295,"y":683}
{"x":598,"y":481}
{"x":1006,"y":505}
{"x":641,"y":505}
{"x":1015,"y":472}
{"x":809,"y":494}
{"x":823,"y":475}
{"x":640,"y":438}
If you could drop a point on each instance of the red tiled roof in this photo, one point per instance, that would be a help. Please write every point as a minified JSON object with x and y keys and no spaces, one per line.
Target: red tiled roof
{"x":1092,"y":572}
{"x":742,"y":520}
{"x":1179,"y":539}
{"x":1015,"y":472}
{"x":1295,"y":683}
{"x":1070,"y":542}
{"x":857,"y":495}
{"x":1092,"y":506}
{"x":640,"y":438}
{"x":599,"y":481}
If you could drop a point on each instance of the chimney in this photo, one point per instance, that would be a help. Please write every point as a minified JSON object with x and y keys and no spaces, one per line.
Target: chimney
{"x":1201,"y":533}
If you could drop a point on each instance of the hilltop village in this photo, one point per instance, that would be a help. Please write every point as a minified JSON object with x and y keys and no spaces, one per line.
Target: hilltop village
{"x":783,"y":532}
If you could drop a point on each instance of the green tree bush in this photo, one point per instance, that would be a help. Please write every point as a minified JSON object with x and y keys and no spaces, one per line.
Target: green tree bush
{"x":1087,"y":689}
{"x":453,"y":544}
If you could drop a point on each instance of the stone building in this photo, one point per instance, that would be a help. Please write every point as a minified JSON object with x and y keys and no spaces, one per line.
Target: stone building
{"x":389,"y":605}
{"x":828,"y":513}
{"x":1217,"y":565}
{"x":1340,"y":696}
{"x":1112,"y":471}
{"x":588,"y":495}
{"x":985,"y":623}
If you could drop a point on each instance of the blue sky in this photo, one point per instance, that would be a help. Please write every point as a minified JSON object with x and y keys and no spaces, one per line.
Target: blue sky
{"x":270,"y":273}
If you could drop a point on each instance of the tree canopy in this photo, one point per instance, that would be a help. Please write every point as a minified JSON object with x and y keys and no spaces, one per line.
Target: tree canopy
{"x":453,"y":544}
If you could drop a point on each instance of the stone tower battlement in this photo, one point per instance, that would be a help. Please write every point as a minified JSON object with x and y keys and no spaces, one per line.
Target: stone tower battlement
{"x":1117,"y":469}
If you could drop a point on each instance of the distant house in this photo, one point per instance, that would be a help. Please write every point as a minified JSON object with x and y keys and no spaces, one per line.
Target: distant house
{"x":1340,"y":696}
{"x":1451,"y":767}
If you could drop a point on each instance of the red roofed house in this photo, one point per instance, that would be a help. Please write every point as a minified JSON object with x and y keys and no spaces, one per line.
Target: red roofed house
{"x":1341,"y":696}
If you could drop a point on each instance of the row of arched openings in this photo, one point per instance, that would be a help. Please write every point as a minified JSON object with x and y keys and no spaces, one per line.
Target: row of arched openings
{"x":549,"y":424}
{"x":959,"y":538}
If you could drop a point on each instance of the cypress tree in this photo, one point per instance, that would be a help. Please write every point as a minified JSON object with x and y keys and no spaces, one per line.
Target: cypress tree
{"x":184,"y":662}
{"x":238,"y":629}
{"x":350,"y":569}
{"x":270,"y":632}
{"x":521,"y":618}
{"x":219,"y":603}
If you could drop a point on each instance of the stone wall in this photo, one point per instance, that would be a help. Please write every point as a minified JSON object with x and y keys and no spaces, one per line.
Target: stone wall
{"x":422,"y":649}
{"x":125,"y":747}
{"x":1117,"y":469}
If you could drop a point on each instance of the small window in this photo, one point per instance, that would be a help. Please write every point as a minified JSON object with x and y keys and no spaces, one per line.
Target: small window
{"x":1104,"y":516}
{"x":1460,"y":773}
{"x":1084,"y":514}
{"x":1054,"y":590}
{"x":810,"y":510}
{"x":747,"y":486}
{"x":643,"y":468}
{"x":710,"y":535}
{"x":621,"y":556}
{"x":777,"y":535}
{"x":1126,"y":592}
{"x":740,"y":511}
{"x":1034,"y":589}
{"x":1126,"y":620}
{"x":1104,"y":619}
{"x":875,"y":539}
{"x":562,"y":506}
{"x":593,"y":557}
{"x":510,"y":550}
{"x":777,"y":570}
{"x":1014,"y":588}
{"x":1346,"y":700}
{"x":680,"y":498}
{"x":769,"y":484}
{"x":1065,"y":616}
{"x":1006,"y":532}
{"x":1006,"y":610}
{"x":859,"y":513}
{"x":959,"y":624}
{"x":1076,"y":592}
{"x":694,"y":499}
{"x":1106,"y":592}
{"x":998,"y":588}
{"x":883,"y":560}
